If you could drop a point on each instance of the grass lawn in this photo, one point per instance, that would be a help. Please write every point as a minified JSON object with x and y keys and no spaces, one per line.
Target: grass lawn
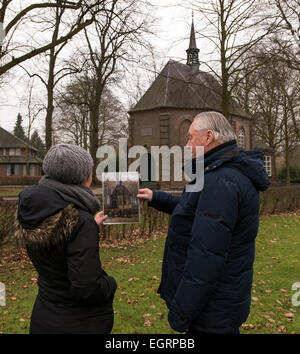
{"x":10,"y":191}
{"x":137,"y":269}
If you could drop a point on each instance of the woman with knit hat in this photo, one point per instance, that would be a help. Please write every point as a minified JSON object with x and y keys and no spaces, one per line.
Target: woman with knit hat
{"x":58,"y":222}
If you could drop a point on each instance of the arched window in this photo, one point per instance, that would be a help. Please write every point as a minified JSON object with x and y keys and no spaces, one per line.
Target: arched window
{"x":242,"y":138}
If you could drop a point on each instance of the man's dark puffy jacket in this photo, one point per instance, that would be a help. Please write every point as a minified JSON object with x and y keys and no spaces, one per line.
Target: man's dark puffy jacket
{"x":209,"y":252}
{"x":75,"y":293}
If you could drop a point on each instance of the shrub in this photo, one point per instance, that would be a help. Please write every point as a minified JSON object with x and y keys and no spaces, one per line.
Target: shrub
{"x":280,"y":200}
{"x":19,"y":180}
{"x":7,"y":211}
{"x":294,"y":174}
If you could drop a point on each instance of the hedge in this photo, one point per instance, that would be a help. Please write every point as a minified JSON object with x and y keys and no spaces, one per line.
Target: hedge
{"x":280,"y":199}
{"x":274,"y":200}
{"x":19,"y":180}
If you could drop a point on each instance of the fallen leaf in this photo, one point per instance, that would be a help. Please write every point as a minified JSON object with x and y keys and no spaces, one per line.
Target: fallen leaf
{"x":289,"y":315}
{"x":146,"y":315}
{"x":133,"y":279}
{"x":147,"y":323}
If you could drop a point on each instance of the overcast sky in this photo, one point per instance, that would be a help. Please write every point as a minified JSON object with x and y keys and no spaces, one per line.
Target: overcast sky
{"x":173,"y":28}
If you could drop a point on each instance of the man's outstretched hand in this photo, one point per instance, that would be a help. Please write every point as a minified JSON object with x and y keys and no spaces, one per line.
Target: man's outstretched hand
{"x":145,"y":194}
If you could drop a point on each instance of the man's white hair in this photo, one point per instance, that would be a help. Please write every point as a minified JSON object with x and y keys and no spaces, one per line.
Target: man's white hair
{"x":216,"y":122}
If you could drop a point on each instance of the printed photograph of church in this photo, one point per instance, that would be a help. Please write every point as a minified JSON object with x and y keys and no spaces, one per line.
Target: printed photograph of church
{"x":120,"y":203}
{"x":165,"y":112}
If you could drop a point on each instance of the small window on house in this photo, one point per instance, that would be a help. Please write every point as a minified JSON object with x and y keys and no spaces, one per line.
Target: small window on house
{"x":18,"y":152}
{"x":242,"y":140}
{"x":268,"y":165}
{"x":31,"y":170}
{"x":12,"y":152}
{"x":12,"y":170}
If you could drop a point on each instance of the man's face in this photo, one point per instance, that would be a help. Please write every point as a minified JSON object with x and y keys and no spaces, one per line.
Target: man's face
{"x":195,"y":138}
{"x":203,"y":138}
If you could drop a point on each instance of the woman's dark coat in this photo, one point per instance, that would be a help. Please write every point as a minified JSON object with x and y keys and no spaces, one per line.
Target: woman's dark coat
{"x":75,"y":294}
{"x":209,"y":252}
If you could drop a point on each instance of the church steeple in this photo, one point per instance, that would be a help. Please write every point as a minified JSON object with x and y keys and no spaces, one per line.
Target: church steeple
{"x":193,"y":51}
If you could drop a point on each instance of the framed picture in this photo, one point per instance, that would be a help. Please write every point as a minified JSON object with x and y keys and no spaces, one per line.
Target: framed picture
{"x":119,"y":191}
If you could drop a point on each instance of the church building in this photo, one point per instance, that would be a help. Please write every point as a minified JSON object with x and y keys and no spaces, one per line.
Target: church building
{"x":181,"y":91}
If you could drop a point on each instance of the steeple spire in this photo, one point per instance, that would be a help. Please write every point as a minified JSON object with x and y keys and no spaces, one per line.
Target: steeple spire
{"x":193,"y":51}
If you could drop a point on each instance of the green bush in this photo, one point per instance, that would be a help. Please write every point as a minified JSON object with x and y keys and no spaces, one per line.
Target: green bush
{"x":280,"y":200}
{"x":294,"y":174}
{"x":19,"y":180}
{"x":7,"y":210}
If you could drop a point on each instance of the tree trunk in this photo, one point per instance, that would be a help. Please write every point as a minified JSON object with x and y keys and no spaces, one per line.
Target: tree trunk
{"x":49,"y":115}
{"x":94,"y":136}
{"x":287,"y":153}
{"x":224,"y":69}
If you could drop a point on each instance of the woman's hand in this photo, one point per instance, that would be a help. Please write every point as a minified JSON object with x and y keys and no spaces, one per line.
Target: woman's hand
{"x":145,"y":194}
{"x":99,"y":218}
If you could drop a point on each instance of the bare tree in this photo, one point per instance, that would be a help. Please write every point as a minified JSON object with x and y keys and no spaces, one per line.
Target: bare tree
{"x":271,"y":96}
{"x":289,"y":37}
{"x":14,"y":50}
{"x":233,"y":27}
{"x":34,"y":108}
{"x":53,"y":75}
{"x":112,"y":41}
{"x":73,"y":114}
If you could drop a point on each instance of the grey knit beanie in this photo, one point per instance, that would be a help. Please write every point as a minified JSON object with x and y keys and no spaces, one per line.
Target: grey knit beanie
{"x":69,"y":164}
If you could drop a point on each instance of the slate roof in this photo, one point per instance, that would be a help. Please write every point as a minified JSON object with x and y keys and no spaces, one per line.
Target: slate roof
{"x":8,"y":140}
{"x":179,"y":86}
{"x":264,"y":147}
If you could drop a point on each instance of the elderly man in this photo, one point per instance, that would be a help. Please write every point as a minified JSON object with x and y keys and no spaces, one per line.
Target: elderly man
{"x":209,"y":252}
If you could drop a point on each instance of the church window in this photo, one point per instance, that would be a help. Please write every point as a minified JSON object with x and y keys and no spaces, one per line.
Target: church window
{"x":268,"y":165}
{"x":242,"y":140}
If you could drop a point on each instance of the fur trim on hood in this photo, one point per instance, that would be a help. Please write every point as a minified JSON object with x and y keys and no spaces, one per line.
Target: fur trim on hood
{"x":52,"y":231}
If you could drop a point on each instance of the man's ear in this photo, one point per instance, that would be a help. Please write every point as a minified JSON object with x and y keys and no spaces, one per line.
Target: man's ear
{"x":210,"y":137}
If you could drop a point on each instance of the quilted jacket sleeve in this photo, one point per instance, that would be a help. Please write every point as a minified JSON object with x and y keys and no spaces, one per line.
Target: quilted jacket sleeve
{"x":215,"y":219}
{"x":165,"y":202}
